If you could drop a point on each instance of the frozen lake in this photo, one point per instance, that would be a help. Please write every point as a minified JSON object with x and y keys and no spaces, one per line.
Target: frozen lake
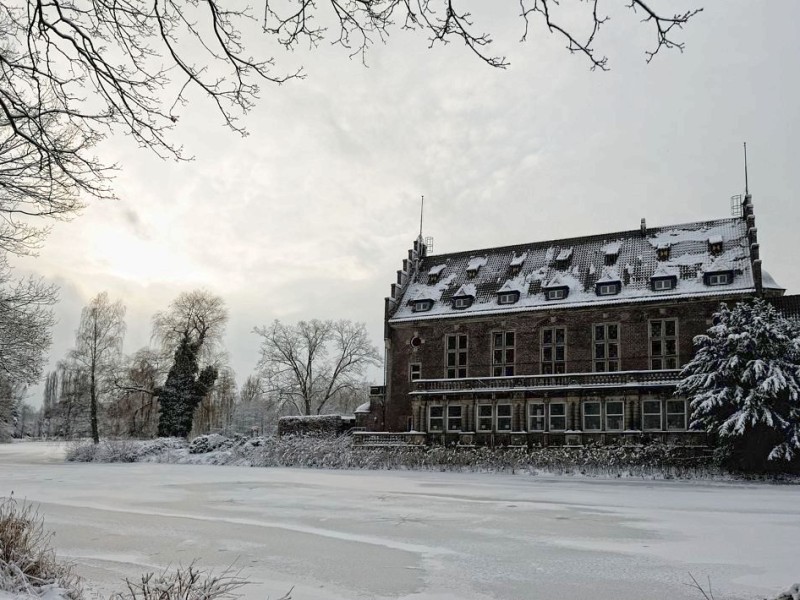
{"x":339,"y":535}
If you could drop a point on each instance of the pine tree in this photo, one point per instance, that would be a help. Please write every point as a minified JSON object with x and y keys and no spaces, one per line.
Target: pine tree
{"x":744,"y":385}
{"x":183,"y":390}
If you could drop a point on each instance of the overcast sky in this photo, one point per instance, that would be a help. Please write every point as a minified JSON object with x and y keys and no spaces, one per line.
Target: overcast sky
{"x":312,"y":213}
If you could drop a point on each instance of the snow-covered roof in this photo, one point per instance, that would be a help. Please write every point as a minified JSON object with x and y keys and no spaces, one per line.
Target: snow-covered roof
{"x":436,"y":270}
{"x":363,"y":408}
{"x":518,"y":259}
{"x":476,"y":262}
{"x":636,"y":262}
{"x":768,"y":282}
{"x":565,"y":254}
{"x":466,"y":289}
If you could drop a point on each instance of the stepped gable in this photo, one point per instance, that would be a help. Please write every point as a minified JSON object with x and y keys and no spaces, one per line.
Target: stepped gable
{"x":632,"y":257}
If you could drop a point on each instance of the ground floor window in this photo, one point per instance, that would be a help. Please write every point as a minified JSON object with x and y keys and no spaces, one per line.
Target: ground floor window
{"x":503,"y":417}
{"x":536,"y":416}
{"x":676,"y":414}
{"x":615,"y":413}
{"x":435,"y":418}
{"x":558,"y":416}
{"x":651,"y":415}
{"x":454,"y":417}
{"x":485,"y":417}
{"x":591,"y":416}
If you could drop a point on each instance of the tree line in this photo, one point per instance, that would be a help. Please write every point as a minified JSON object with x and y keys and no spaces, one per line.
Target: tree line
{"x":181,"y":384}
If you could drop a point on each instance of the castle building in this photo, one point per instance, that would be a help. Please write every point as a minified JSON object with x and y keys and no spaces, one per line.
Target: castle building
{"x":559,"y":342}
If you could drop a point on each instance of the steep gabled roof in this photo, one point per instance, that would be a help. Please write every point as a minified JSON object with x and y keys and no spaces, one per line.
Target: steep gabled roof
{"x":636,"y":262}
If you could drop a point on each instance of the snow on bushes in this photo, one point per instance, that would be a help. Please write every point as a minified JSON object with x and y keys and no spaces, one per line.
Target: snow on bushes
{"x":651,"y":460}
{"x":28,"y":565}
{"x":320,"y":425}
{"x":124,"y":450}
{"x":210,"y":442}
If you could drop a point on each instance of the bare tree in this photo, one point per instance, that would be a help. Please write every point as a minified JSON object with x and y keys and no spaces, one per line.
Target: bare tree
{"x":314,"y":363}
{"x":133,"y":411}
{"x":72,"y":73}
{"x":25,"y":322}
{"x":215,"y":412}
{"x":199,"y":317}
{"x":98,"y":348}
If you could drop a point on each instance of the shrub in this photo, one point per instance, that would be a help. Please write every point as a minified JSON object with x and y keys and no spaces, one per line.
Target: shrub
{"x":27,"y":561}
{"x":183,"y":583}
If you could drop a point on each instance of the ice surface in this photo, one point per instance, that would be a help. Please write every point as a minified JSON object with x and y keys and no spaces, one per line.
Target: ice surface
{"x":338,"y":535}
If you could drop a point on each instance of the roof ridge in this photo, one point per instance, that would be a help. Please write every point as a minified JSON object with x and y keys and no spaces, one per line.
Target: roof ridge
{"x":565,"y":241}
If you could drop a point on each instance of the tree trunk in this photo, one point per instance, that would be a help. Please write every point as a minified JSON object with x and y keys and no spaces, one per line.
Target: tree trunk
{"x":93,"y":409}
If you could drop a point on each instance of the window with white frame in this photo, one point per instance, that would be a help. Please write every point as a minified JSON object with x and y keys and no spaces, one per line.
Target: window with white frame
{"x":414,"y":371}
{"x":507,"y":297}
{"x":554,"y":350}
{"x":456,"y":355}
{"x":607,"y":289}
{"x":436,"y":418}
{"x":606,"y":347}
{"x":615,"y":415}
{"x":665,"y":283}
{"x":664,"y":344}
{"x":503,"y":353}
{"x":556,"y":294}
{"x":503,"y":417}
{"x":719,"y":279}
{"x":651,"y":415}
{"x":536,"y":416}
{"x":422,"y":305}
{"x":676,"y":414}
{"x":462,"y":302}
{"x":485,"y":417}
{"x":454,"y":421}
{"x":591,"y":416}
{"x":558,"y":416}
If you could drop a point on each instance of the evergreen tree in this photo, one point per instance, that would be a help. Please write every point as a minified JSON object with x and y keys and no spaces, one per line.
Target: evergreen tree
{"x":183,"y":390}
{"x":744,"y":386}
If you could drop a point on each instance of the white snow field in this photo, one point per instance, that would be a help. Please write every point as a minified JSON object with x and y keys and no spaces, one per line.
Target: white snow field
{"x":339,"y":535}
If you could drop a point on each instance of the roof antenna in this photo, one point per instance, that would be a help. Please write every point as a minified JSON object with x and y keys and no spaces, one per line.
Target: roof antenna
{"x":746,"y":188}
{"x":421,"y":207}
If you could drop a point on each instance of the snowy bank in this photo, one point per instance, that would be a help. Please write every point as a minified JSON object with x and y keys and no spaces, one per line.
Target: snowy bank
{"x":656,"y":461}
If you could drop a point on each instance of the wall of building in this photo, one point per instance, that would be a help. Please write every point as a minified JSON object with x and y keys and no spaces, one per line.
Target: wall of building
{"x":693,"y":317}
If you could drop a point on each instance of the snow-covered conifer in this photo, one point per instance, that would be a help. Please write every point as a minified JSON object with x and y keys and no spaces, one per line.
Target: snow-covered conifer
{"x":744,"y":383}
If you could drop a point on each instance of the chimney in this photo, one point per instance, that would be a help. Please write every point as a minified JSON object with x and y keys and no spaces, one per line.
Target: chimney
{"x":643,"y":227}
{"x":757,"y":277}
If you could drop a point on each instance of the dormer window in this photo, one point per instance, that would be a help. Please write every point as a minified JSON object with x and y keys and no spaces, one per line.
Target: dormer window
{"x":610,"y":288}
{"x":474,"y":265}
{"x":611,"y":252}
{"x":516,"y":263}
{"x":462,"y":302}
{"x":663,"y":252}
{"x":507,"y":297}
{"x":556,"y":293}
{"x":434,"y":273}
{"x":422,"y":305}
{"x":660,"y":284}
{"x":564,"y":257}
{"x":715,"y":244}
{"x":718,"y":278}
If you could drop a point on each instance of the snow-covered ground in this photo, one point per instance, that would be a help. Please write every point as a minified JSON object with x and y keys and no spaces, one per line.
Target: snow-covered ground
{"x":338,"y":535}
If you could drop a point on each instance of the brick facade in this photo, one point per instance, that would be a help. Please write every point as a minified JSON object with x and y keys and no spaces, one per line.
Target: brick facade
{"x":479,"y":352}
